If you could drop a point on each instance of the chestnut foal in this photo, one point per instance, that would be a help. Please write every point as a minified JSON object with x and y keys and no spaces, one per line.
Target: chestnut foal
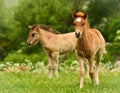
{"x":90,"y":42}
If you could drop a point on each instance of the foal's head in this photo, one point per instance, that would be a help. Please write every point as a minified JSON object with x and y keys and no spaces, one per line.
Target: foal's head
{"x":33,"y":35}
{"x":79,"y":22}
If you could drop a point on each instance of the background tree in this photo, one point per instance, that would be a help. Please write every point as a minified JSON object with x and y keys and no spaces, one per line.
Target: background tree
{"x":14,"y":21}
{"x":104,"y":15}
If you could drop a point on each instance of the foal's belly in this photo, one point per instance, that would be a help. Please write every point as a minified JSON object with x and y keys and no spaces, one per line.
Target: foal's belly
{"x":65,"y":50}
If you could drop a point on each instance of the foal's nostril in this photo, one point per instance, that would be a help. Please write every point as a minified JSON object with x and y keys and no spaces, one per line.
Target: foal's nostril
{"x":77,"y":34}
{"x":28,"y":44}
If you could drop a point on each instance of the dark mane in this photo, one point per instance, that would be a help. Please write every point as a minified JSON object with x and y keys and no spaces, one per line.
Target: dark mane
{"x":45,"y":27}
{"x":50,"y":29}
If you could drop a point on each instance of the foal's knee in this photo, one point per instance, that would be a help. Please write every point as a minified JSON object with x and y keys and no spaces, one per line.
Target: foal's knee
{"x":81,"y":72}
{"x":49,"y":67}
{"x":55,"y":66}
{"x":56,"y":69}
{"x":49,"y":70}
{"x":91,"y":76}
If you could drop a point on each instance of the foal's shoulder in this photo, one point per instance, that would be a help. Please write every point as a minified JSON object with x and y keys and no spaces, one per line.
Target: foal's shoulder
{"x":98,"y":33}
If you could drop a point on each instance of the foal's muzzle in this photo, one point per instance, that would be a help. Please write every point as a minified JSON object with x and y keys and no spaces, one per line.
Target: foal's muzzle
{"x":28,"y":43}
{"x":77,"y":34}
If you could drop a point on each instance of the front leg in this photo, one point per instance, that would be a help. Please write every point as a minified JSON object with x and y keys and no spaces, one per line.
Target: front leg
{"x":86,"y":65}
{"x":49,"y":67}
{"x":81,"y":69}
{"x":99,"y":56}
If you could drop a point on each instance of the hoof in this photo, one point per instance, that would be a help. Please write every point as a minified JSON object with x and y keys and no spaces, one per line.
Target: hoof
{"x":97,"y":82}
{"x":50,"y":77}
{"x":81,"y":86}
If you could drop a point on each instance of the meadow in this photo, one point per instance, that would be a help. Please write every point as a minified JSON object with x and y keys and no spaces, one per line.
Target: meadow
{"x":37,"y":81}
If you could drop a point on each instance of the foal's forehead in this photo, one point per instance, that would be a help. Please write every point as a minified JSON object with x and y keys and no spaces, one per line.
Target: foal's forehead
{"x":78,"y":19}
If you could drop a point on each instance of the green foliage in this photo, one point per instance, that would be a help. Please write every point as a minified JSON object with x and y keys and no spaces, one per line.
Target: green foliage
{"x":117,"y":37}
{"x":27,"y":53}
{"x":14,"y":21}
{"x":112,"y":53}
{"x":112,"y":26}
{"x":104,"y":15}
{"x":99,"y":9}
{"x":2,"y":19}
{"x":116,"y":53}
{"x":35,"y":54}
{"x":43,"y":12}
{"x":4,"y":43}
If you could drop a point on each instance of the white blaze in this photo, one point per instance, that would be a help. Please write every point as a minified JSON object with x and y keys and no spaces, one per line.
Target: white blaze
{"x":78,"y":19}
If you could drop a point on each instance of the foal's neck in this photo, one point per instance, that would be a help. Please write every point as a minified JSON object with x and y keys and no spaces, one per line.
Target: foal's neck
{"x":45,"y":36}
{"x":86,"y":32}
{"x":85,"y":39}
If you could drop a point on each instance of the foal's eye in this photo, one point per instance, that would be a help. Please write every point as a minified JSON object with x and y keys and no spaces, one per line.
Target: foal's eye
{"x":83,"y":24}
{"x":74,"y":24}
{"x":33,"y":34}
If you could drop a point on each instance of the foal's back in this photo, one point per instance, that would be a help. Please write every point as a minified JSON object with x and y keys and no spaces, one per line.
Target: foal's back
{"x":65,"y":42}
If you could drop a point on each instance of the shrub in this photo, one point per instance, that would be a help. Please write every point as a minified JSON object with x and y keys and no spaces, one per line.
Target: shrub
{"x":113,"y":53}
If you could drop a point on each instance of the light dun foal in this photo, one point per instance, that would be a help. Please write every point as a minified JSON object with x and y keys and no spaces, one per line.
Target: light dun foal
{"x":53,"y":42}
{"x":90,"y":42}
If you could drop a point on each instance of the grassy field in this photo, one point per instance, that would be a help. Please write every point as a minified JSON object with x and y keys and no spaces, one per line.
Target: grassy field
{"x":68,"y":82}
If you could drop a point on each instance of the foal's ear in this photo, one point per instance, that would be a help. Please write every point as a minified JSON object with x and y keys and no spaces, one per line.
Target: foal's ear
{"x":85,"y":15}
{"x":29,"y":27}
{"x":74,"y":14}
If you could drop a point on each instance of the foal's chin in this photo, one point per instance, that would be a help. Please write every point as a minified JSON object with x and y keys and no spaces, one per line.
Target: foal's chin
{"x":78,"y":36}
{"x":35,"y":42}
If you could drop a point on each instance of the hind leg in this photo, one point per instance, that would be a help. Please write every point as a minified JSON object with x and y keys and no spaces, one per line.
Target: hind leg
{"x":55,"y":60}
{"x":49,"y":67}
{"x":91,"y":68}
{"x":99,"y":56}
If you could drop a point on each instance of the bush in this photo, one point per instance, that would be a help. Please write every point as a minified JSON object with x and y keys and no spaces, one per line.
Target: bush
{"x":29,"y":53}
{"x":112,"y":53}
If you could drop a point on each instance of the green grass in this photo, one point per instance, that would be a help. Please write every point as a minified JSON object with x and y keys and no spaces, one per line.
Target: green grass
{"x":68,"y":82}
